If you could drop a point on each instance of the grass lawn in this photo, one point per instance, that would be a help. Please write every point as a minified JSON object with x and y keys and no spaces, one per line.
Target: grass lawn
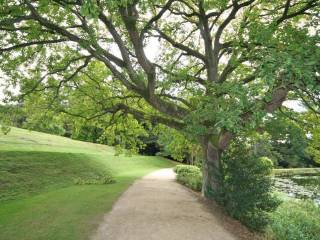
{"x":38,"y":196}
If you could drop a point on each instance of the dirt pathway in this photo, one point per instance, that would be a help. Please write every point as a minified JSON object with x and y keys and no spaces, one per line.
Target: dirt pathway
{"x":158,"y":208}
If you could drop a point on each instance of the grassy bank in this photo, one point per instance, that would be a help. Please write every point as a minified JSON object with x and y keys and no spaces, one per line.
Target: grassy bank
{"x":38,"y":195}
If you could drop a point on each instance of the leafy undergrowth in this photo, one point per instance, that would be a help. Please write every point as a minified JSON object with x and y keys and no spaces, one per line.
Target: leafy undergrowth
{"x":295,"y":220}
{"x":54,"y":188}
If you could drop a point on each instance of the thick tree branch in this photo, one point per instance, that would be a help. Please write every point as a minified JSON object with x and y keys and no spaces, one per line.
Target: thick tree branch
{"x":286,"y":15}
{"x":153,"y":118}
{"x":155,"y":18}
{"x":75,"y":73}
{"x":129,"y":16}
{"x":32,"y":43}
{"x":72,"y":37}
{"x":58,"y":70}
{"x":185,"y":102}
{"x":117,"y":38}
{"x":278,"y":97}
{"x":232,"y":65}
{"x":192,"y":78}
{"x":11,"y":21}
{"x":211,"y":60}
{"x":139,"y":115}
{"x":188,"y":50}
{"x":225,"y":23}
{"x":248,"y":78}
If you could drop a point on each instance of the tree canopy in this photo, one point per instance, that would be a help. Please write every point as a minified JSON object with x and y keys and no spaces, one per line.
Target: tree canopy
{"x":219,"y":68}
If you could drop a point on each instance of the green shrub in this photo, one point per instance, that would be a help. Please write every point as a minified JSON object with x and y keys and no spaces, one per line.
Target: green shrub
{"x":5,"y":129}
{"x":97,"y":180}
{"x":190,"y":176}
{"x":247,"y":187}
{"x":185,"y":168}
{"x":295,"y":220}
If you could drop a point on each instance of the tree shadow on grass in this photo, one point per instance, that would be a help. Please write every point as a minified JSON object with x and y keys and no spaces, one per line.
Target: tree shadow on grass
{"x":24,"y":173}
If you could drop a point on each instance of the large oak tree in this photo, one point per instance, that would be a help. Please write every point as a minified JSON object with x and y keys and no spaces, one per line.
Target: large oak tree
{"x":220,"y":66}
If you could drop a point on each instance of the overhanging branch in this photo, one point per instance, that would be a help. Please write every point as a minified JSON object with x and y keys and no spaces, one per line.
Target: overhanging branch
{"x":32,"y":43}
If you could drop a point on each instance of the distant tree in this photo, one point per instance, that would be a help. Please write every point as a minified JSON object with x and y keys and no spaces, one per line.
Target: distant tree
{"x":12,"y":115}
{"x":220,"y":68}
{"x":289,"y":140}
{"x":176,"y":145}
{"x":313,"y":131}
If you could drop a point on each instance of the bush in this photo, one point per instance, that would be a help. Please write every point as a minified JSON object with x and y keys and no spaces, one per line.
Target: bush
{"x":295,"y":220}
{"x":97,"y":180}
{"x":5,"y":129}
{"x":247,"y":187}
{"x":190,"y":176}
{"x":185,"y":169}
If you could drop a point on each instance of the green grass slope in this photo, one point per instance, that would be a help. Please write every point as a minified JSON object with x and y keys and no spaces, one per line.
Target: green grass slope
{"x":38,"y":195}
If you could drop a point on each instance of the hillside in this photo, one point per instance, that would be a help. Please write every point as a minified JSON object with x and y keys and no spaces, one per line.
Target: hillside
{"x":40,"y":194}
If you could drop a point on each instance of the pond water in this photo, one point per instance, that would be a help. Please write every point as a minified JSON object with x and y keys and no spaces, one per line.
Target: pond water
{"x":302,"y":187}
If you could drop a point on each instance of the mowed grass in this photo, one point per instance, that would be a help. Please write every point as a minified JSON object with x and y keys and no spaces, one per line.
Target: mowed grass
{"x":38,"y":196}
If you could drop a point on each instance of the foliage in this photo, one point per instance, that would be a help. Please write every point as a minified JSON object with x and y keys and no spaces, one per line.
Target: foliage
{"x":39,"y":117}
{"x":295,"y":220}
{"x":289,"y":140}
{"x":190,"y":176}
{"x":176,"y":144}
{"x":247,"y":186}
{"x":185,"y":169}
{"x":314,"y":133}
{"x":7,"y":113}
{"x":221,"y":66}
{"x":126,"y":134}
{"x":47,"y":123}
{"x":12,"y":115}
{"x":30,"y":115}
{"x":5,"y":129}
{"x":262,"y":146}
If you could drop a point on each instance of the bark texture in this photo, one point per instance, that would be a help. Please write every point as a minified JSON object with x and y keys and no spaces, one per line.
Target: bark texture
{"x":212,"y":173}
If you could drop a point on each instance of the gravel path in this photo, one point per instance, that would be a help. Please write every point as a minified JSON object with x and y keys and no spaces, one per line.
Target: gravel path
{"x":158,"y":208}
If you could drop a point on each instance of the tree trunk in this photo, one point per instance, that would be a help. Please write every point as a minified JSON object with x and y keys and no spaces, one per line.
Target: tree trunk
{"x":212,"y":171}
